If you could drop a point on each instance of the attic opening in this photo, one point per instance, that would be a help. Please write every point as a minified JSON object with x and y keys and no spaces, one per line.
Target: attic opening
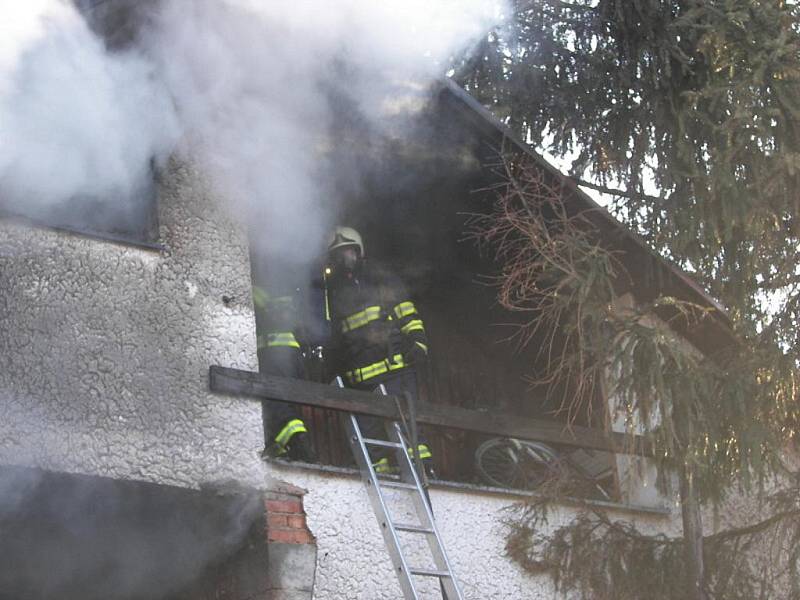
{"x":412,"y":209}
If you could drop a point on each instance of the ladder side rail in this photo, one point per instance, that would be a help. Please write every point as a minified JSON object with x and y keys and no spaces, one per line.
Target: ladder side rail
{"x":380,"y":509}
{"x":425,"y":514}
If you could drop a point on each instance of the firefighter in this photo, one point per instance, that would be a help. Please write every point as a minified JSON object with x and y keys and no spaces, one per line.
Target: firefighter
{"x":280,"y":353}
{"x":378,"y":336}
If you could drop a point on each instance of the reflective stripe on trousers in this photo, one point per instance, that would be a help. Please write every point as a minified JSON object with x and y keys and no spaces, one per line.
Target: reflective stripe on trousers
{"x":422,"y":450}
{"x":382,"y":466}
{"x":291,"y":428}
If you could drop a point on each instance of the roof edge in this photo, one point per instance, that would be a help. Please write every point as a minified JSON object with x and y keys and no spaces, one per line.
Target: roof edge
{"x":684,"y":279}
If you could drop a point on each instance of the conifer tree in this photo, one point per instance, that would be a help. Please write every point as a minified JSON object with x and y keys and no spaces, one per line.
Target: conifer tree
{"x":687,"y":115}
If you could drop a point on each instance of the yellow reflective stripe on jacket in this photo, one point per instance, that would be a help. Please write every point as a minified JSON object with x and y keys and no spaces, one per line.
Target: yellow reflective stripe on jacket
{"x":361,"y":318}
{"x":282,"y":340}
{"x":375,"y":369}
{"x":405,"y":309}
{"x":415,"y":325}
{"x":422,"y":450}
{"x":291,"y":428}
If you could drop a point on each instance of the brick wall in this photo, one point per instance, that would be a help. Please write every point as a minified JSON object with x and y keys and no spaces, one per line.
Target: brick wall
{"x":286,"y":518}
{"x":277,"y":562}
{"x":109,"y":539}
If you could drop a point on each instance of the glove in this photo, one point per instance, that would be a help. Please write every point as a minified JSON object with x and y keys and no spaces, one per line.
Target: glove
{"x":417,"y":354}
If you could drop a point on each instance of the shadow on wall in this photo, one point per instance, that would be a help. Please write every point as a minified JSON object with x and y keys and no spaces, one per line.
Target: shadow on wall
{"x":79,"y":537}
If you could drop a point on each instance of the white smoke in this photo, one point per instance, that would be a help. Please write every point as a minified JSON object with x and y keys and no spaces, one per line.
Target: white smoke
{"x":244,"y":84}
{"x":244,"y":87}
{"x":73,"y":119}
{"x":252,"y":82}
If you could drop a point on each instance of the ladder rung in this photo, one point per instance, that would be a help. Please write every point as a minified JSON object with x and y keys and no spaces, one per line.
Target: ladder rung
{"x":384,"y":443}
{"x":400,"y":485}
{"x":413,"y":528}
{"x":429,"y":573}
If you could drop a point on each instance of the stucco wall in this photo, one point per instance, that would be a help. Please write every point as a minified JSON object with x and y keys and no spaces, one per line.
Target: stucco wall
{"x":353,"y":564}
{"x":104,"y":355}
{"x":104,"y":349}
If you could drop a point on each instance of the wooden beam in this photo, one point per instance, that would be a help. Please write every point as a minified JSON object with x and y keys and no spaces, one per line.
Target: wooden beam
{"x":298,"y":391}
{"x":539,"y":430}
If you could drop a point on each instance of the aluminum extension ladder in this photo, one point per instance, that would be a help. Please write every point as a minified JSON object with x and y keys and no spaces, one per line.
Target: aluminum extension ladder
{"x":410,"y":482}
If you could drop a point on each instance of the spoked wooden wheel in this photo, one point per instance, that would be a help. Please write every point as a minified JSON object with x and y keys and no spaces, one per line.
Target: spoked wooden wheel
{"x":516,"y":464}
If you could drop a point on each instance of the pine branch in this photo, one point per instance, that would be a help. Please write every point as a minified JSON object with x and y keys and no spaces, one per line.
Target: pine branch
{"x":616,"y":192}
{"x":753,"y":529}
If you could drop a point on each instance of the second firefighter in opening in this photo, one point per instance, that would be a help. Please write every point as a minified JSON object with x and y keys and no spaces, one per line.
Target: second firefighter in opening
{"x":280,"y":353}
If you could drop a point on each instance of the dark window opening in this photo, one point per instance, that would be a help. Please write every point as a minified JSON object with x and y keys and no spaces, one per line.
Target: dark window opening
{"x":126,"y":215}
{"x":130,"y":217}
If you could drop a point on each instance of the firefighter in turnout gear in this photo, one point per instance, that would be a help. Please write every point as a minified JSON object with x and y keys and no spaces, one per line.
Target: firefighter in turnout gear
{"x":280,"y":353}
{"x":378,"y":336}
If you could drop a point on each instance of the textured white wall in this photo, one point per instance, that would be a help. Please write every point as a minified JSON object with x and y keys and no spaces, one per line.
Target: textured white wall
{"x":353,"y":564}
{"x":104,"y":355}
{"x":104,"y":349}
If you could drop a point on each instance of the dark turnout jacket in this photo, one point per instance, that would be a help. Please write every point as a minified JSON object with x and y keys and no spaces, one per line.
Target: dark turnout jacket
{"x":376,"y":328}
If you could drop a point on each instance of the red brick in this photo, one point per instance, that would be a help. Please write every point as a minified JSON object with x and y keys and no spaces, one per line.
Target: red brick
{"x":290,"y":536}
{"x":278,"y":535}
{"x":284,"y":506}
{"x":278,"y":521}
{"x":306,"y":537}
{"x":296,"y":521}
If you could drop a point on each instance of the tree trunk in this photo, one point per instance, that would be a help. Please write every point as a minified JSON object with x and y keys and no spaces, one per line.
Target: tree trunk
{"x":690,"y":509}
{"x":692,"y":536}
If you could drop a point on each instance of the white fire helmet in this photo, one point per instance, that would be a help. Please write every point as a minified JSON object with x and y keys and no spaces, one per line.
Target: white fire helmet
{"x":346,"y":236}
